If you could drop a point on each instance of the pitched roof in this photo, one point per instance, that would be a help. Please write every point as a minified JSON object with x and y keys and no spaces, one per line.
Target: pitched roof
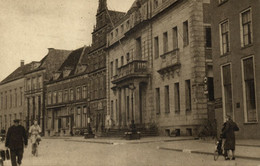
{"x":17,"y":74}
{"x":116,"y":15}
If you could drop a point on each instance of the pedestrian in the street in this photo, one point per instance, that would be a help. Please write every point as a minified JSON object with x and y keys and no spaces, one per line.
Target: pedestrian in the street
{"x":16,"y":140}
{"x":34,"y":132}
{"x":228,"y":133}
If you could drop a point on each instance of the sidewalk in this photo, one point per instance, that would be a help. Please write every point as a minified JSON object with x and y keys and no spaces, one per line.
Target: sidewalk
{"x":245,"y":149}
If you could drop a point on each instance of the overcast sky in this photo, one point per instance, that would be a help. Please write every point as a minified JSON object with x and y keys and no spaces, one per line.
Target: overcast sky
{"x":29,"y":27}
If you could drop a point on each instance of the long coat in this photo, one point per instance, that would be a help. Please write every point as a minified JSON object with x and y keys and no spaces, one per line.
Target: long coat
{"x":16,"y":137}
{"x":229,"y":133}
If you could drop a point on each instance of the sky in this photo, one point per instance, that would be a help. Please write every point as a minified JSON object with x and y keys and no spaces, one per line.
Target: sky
{"x":29,"y":27}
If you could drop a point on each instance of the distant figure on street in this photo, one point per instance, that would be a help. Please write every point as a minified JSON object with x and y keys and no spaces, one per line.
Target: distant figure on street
{"x":34,"y":132}
{"x":16,"y":140}
{"x":228,"y":132}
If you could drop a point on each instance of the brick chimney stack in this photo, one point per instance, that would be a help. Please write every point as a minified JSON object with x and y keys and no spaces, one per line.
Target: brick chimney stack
{"x":22,"y":63}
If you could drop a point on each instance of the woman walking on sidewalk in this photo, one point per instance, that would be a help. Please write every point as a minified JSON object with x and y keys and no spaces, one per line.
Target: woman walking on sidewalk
{"x":228,"y":133}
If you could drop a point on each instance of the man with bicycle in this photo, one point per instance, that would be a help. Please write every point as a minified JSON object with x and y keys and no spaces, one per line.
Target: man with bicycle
{"x":34,"y":132}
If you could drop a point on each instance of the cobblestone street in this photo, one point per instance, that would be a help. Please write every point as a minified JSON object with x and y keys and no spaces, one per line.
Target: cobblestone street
{"x":59,"y":152}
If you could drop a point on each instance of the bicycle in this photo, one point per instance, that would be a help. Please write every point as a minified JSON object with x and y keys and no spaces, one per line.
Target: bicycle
{"x":35,"y":143}
{"x":218,"y":149}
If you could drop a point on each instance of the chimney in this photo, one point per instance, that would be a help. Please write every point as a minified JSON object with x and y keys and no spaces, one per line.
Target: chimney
{"x":22,"y":63}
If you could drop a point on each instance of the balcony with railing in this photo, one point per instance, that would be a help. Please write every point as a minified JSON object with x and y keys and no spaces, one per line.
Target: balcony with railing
{"x":170,"y":62}
{"x":134,"y":69}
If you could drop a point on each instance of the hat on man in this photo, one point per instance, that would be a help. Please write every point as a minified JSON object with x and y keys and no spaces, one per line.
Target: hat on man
{"x":16,"y":120}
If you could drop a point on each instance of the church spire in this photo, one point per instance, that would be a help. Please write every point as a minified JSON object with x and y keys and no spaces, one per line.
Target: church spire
{"x":102,"y":5}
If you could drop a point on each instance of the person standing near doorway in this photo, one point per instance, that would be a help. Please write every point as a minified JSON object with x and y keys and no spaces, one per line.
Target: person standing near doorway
{"x":16,"y":140}
{"x":228,"y":132}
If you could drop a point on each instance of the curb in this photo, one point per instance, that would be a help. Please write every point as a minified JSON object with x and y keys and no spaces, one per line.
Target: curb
{"x":206,"y":153}
{"x":126,"y":142}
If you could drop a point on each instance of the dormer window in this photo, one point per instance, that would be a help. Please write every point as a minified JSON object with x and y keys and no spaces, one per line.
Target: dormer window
{"x":66,"y":72}
{"x":56,"y":75}
{"x":112,"y":35}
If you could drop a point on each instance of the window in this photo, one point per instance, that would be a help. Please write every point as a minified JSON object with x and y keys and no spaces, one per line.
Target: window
{"x":127,"y":57}
{"x":112,"y":109}
{"x":10,"y":119}
{"x":15,"y":97}
{"x":227,"y":90}
{"x":165,"y":42}
{"x":175,"y":37}
{"x":188,"y":95}
{"x":210,"y":88}
{"x":78,"y":94}
{"x":2,"y":100}
{"x":49,"y":98}
{"x":185,"y":33}
{"x":156,"y":3}
{"x":71,"y":95}
{"x":11,"y":99}
{"x":167,"y":99}
{"x":111,"y":69}
{"x":112,"y":35}
{"x":246,"y":27}
{"x":116,"y":32}
{"x":116,"y":67}
{"x":156,"y":47}
{"x":33,"y":83}
{"x":28,"y":84}
{"x":177,"y":97}
{"x":21,"y":96}
{"x":249,"y":89}
{"x":139,"y":48}
{"x":122,"y":28}
{"x":157,"y":91}
{"x":208,"y":37}
{"x":60,"y":96}
{"x":122,"y":60}
{"x":84,"y":92}
{"x":224,"y":37}
{"x":66,"y":95}
{"x":54,"y":97}
{"x":39,"y":81}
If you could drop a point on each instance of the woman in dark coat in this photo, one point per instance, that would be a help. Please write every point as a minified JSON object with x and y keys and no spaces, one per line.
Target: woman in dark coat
{"x":228,"y":132}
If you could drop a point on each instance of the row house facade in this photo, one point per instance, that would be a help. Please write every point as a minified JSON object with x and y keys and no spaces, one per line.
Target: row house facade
{"x":96,"y":65}
{"x":160,"y":67}
{"x":236,"y":63}
{"x":12,"y":97}
{"x":67,"y":96}
{"x":35,"y":80}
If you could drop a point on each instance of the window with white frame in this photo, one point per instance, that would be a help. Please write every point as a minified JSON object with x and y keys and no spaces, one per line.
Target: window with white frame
{"x":249,"y":89}
{"x":227,"y":90}
{"x":224,"y":37}
{"x":246,"y":27}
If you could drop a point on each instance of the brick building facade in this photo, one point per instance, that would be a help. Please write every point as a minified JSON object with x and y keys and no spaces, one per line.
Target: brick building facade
{"x":236,"y":25}
{"x":66,"y":98}
{"x":35,"y":81}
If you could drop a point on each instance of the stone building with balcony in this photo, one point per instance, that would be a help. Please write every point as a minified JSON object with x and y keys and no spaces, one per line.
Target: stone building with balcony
{"x":237,"y":63}
{"x":182,"y":65}
{"x":12,"y":105}
{"x":96,"y":64}
{"x":160,"y":67}
{"x":35,"y":90}
{"x":66,"y":96}
{"x":130,"y":93}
